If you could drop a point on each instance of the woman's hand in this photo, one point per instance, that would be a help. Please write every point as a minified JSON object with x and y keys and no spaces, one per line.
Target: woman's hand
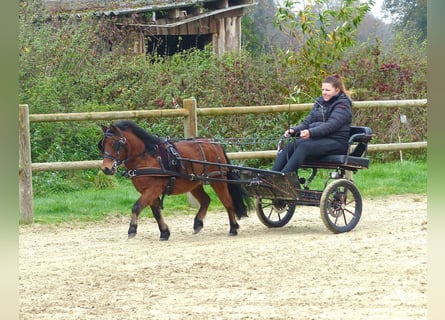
{"x":289,"y":133}
{"x":304,"y":134}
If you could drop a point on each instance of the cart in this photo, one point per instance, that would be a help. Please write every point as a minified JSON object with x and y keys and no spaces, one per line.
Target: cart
{"x":277,"y":194}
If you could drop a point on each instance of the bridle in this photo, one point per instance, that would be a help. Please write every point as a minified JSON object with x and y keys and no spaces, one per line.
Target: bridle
{"x":118,"y":145}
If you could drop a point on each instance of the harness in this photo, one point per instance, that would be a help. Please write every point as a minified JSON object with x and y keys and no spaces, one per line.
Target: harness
{"x":168,"y":158}
{"x":171,"y":164}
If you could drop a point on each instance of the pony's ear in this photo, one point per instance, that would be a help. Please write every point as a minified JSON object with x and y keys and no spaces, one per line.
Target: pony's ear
{"x":115,"y":129}
{"x":104,"y":128}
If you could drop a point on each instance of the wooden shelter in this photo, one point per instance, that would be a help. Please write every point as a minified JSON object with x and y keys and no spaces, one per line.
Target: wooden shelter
{"x":168,"y":26}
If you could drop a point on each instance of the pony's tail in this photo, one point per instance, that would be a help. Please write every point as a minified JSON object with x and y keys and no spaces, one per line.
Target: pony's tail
{"x":240,"y":198}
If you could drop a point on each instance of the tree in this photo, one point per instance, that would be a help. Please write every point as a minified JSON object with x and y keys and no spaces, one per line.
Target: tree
{"x":372,"y":29}
{"x":324,"y":30}
{"x":408,"y":15}
{"x":259,"y":34}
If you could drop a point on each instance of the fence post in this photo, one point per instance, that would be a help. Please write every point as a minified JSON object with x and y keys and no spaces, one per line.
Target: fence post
{"x":25,"y":171}
{"x":191,"y":130}
{"x":190,"y":121}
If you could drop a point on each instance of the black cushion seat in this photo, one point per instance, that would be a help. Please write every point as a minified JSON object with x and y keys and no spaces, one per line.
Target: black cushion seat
{"x":354,"y":159}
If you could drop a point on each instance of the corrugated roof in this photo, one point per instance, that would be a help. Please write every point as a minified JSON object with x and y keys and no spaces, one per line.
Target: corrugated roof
{"x":191,"y":19}
{"x":109,"y":7}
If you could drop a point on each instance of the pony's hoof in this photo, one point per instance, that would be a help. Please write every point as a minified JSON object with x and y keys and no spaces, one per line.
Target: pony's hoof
{"x":132,"y":230}
{"x":164,"y":235}
{"x":197,"y":230}
{"x":233,"y":230}
{"x":131,"y":235}
{"x":197,"y":226}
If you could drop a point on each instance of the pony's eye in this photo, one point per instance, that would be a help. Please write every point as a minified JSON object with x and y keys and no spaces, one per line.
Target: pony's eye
{"x":100,"y":145}
{"x":116,"y":145}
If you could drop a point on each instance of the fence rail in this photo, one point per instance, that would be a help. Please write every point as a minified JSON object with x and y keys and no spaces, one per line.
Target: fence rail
{"x":190,"y":113}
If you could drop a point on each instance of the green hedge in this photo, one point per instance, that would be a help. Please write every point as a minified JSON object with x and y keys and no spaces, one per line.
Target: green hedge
{"x":65,"y":66}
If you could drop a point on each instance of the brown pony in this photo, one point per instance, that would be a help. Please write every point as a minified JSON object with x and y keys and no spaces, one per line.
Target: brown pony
{"x":159,"y":167}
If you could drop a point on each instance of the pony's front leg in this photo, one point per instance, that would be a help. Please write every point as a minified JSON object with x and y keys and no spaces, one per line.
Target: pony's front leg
{"x":156,"y":209}
{"x":137,"y":208}
{"x":135,"y":211}
{"x":204,"y":200}
{"x":163,"y":227}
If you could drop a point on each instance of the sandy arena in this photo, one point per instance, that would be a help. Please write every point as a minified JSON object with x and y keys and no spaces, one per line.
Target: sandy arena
{"x":301,"y":271}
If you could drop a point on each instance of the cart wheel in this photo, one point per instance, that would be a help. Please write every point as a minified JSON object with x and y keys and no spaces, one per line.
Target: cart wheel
{"x":274,"y":213}
{"x":341,"y":206}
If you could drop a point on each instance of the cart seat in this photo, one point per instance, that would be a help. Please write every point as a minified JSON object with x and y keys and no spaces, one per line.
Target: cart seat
{"x":354,"y":159}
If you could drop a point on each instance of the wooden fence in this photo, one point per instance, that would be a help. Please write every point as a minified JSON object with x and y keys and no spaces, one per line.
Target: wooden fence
{"x":189,"y":112}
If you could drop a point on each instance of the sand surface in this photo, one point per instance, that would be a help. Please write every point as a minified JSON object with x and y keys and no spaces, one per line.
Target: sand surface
{"x":300,"y":271}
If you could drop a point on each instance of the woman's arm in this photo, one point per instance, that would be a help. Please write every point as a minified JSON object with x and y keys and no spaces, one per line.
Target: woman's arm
{"x":340,"y":115}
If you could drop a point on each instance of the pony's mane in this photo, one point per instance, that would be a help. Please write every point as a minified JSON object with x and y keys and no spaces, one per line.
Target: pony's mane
{"x":149,"y":139}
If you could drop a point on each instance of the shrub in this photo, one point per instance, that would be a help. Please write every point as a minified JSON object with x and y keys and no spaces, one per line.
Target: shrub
{"x":65,"y":66}
{"x":103,"y":181}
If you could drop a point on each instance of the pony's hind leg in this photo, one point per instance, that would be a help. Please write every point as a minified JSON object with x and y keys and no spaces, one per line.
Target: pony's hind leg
{"x":222,"y":191}
{"x":204,"y":200}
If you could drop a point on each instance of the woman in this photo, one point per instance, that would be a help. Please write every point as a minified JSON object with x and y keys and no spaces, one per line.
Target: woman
{"x":325,"y":130}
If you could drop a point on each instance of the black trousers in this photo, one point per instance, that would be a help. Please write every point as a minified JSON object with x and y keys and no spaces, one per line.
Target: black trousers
{"x":294,"y":153}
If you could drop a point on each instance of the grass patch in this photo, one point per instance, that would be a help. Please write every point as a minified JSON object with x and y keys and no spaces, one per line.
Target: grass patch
{"x":381,"y":179}
{"x":97,"y":204}
{"x":393,"y":178}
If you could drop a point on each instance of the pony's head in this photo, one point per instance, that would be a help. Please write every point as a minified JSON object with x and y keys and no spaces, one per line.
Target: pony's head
{"x":125,"y":142}
{"x":114,"y":150}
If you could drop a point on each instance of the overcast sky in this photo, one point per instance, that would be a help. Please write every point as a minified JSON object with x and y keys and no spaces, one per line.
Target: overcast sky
{"x":376,"y":11}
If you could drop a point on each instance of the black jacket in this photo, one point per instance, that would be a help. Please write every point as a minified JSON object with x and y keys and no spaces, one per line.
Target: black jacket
{"x":331,"y":118}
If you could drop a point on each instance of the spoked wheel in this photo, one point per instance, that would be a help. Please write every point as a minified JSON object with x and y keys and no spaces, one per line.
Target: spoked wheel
{"x":274,"y":213}
{"x":341,"y":206}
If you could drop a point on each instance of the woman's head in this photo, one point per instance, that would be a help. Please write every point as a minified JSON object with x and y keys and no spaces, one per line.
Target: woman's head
{"x":331,"y":86}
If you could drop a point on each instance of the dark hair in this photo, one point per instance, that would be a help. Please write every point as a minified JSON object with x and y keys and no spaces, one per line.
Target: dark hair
{"x":337,"y":82}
